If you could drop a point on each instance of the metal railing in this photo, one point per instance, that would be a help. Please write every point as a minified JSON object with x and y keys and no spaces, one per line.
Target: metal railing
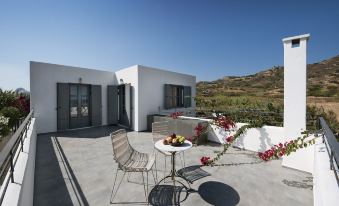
{"x":332,"y":146}
{"x":10,"y":153}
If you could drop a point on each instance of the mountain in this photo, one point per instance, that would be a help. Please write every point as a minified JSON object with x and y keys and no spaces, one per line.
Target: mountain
{"x":21,"y":90}
{"x":323,"y":81}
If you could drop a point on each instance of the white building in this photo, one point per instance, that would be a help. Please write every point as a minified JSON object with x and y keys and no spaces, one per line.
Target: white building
{"x":65,"y":97}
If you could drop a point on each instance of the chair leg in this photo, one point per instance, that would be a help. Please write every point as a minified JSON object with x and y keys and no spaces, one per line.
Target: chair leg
{"x":115,"y":193}
{"x":155,"y":166}
{"x":155,"y":178}
{"x":143,"y":181}
{"x":165,"y":168}
{"x":147,"y":187}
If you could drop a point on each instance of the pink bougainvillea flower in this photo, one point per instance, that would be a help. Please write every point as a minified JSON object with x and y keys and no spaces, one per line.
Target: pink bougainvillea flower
{"x":229,"y":139}
{"x":175,"y":115}
{"x":204,"y":160}
{"x":224,"y":122}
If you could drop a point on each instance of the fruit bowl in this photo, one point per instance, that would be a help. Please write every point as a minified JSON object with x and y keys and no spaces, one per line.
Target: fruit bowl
{"x":174,"y":140}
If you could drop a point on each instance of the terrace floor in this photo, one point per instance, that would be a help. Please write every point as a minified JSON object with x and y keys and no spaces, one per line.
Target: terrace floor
{"x":77,"y":168}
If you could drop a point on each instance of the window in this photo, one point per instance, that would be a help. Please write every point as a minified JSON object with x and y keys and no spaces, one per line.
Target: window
{"x":177,"y":96}
{"x":295,"y":43}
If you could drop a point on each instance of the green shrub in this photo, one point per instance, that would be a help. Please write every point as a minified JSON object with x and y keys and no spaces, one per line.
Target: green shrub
{"x":4,"y":129}
{"x":12,"y":113}
{"x":7,"y":98}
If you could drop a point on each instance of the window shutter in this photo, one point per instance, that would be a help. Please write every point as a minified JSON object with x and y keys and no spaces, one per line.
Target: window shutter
{"x":168,"y":96}
{"x":96,"y":113}
{"x":62,"y":106}
{"x":187,"y":96}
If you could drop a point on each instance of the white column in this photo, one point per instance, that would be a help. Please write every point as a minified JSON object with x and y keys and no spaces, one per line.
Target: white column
{"x":295,"y":77}
{"x":295,"y":52}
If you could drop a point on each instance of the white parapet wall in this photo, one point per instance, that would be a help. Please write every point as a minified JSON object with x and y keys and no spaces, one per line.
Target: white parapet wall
{"x":325,"y":185}
{"x":255,"y":139}
{"x":22,"y":190}
{"x":261,"y":139}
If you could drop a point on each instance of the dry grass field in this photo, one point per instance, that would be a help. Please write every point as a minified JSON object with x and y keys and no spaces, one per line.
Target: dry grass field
{"x":327,"y":103}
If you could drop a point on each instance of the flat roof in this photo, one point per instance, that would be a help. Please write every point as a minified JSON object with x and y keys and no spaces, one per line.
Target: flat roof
{"x":303,"y":36}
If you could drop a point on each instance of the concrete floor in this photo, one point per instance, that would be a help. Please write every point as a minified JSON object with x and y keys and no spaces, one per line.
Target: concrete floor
{"x":77,"y":168}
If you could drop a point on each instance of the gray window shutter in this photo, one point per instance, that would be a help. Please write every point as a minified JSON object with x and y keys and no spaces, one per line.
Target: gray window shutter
{"x":62,"y":106}
{"x":112,"y":104}
{"x":187,"y":96}
{"x":96,"y":112}
{"x":168,"y":96}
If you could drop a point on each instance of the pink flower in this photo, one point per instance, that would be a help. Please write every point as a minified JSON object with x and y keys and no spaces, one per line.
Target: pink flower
{"x":204,"y":160}
{"x":175,"y":115}
{"x":229,"y":139}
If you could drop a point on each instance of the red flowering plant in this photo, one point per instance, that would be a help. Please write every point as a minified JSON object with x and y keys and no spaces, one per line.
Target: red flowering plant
{"x":23,"y":103}
{"x":205,"y":160}
{"x":276,"y":151}
{"x":287,"y":148}
{"x":227,"y":124}
{"x":175,"y":115}
{"x":199,"y":131}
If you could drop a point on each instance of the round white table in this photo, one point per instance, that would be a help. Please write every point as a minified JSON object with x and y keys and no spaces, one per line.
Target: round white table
{"x":173,"y":150}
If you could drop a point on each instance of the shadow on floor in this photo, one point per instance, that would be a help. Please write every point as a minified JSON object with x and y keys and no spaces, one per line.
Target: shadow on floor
{"x":193,"y":173}
{"x":162,"y":195}
{"x":218,"y":193}
{"x":91,"y":132}
{"x":49,"y":183}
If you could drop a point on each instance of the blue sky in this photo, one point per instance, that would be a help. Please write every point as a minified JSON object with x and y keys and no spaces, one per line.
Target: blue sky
{"x":209,"y":39}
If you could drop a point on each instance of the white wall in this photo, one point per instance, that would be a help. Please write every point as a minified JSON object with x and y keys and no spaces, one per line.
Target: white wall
{"x":22,"y":190}
{"x":151,"y":90}
{"x":325,"y":186}
{"x":43,"y":85}
{"x":130,"y":75}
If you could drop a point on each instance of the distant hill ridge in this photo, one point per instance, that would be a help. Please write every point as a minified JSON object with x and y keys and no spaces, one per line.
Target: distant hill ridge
{"x":323,"y":81}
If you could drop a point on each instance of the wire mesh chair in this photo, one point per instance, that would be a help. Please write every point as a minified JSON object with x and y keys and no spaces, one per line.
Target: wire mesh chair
{"x":160,"y":130}
{"x":129,"y":160}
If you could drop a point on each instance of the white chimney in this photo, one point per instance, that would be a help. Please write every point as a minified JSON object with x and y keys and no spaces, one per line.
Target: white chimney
{"x":295,"y":76}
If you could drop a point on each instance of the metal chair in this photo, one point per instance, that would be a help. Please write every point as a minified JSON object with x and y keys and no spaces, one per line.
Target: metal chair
{"x":160,"y":130}
{"x":129,"y":160}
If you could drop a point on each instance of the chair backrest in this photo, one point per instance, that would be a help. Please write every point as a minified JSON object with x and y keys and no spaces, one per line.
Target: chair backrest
{"x":122,"y":150}
{"x":160,"y":130}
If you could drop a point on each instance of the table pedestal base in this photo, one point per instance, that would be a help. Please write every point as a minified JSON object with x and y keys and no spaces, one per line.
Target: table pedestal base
{"x":173,"y":174}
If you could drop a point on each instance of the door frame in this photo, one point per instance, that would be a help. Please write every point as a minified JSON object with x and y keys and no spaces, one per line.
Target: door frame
{"x":89,"y":104}
{"x":128,"y":96}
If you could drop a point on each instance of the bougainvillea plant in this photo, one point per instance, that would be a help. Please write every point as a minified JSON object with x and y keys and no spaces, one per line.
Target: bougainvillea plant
{"x":22,"y":103}
{"x":286,"y":148}
{"x":199,"y":131}
{"x":175,"y":115}
{"x":276,"y":151}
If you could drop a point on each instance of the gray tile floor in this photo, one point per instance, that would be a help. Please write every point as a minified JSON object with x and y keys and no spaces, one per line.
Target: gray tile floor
{"x":77,"y":168}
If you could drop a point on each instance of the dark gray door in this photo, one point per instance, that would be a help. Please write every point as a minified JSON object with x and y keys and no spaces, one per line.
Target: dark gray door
{"x":112,"y":104}
{"x":62,"y":106}
{"x":79,"y":106}
{"x":96,"y":107}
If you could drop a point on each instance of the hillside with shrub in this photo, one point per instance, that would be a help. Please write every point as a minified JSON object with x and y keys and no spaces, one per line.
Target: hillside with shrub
{"x":261,"y":95}
{"x":323,"y":81}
